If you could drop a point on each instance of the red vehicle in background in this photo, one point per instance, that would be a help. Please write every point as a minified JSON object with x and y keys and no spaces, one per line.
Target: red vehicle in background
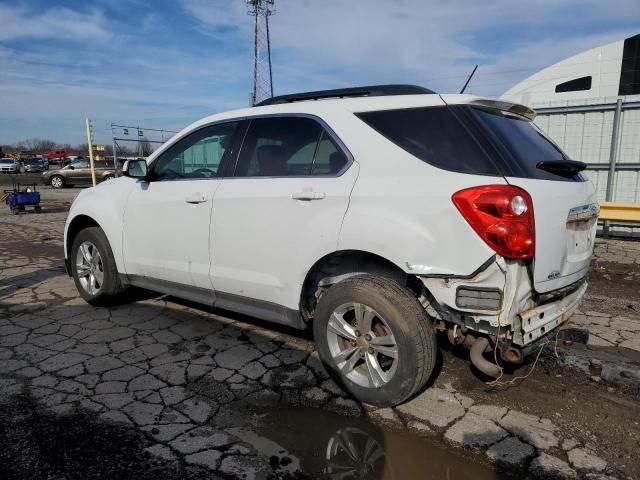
{"x":56,"y":157}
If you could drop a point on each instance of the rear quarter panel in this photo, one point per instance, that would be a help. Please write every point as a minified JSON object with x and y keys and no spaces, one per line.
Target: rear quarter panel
{"x":401,"y":208}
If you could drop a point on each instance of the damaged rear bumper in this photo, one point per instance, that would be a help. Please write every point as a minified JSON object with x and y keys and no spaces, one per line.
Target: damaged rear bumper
{"x":499,"y":303}
{"x":541,"y":320}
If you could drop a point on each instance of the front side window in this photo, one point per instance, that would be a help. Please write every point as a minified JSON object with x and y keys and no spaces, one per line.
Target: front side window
{"x":288,"y":147}
{"x":197,"y":155}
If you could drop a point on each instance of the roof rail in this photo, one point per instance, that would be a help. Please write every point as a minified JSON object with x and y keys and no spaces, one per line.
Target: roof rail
{"x":369,"y":91}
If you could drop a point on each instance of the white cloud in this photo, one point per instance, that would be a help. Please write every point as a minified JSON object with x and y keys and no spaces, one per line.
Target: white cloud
{"x":57,"y":22}
{"x":340,"y":42}
{"x":159,"y":71}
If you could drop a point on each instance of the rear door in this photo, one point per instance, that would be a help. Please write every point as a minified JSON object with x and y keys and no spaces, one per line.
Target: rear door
{"x":78,"y":172}
{"x":281,"y":211}
{"x":565,"y":207}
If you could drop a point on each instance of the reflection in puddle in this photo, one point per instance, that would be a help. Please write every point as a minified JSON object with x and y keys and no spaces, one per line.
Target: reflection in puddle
{"x":331,"y":446}
{"x":353,"y":453}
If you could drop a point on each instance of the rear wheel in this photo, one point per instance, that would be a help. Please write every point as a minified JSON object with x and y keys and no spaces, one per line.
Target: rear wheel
{"x":94,"y":268}
{"x":56,"y":181}
{"x":375,"y":339}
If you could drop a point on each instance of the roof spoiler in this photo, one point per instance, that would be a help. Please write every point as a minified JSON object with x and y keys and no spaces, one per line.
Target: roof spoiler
{"x":510,"y":107}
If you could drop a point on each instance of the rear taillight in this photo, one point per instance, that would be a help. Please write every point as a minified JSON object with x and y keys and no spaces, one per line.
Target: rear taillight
{"x":503,"y":217}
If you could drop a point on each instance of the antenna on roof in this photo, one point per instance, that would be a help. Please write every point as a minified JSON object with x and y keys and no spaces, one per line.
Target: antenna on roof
{"x":469,"y":79}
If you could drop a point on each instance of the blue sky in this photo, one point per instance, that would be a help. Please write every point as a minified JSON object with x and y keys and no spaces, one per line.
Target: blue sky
{"x":167,"y":63}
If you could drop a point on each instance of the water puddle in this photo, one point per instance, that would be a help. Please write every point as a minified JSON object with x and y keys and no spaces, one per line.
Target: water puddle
{"x":327,"y":445}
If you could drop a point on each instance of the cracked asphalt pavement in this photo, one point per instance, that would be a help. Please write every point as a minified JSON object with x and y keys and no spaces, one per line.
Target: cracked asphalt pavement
{"x":160,"y":388}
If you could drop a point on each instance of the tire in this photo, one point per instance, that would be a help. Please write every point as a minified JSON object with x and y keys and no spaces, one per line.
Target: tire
{"x":57,"y":181}
{"x":101,"y":286}
{"x":394,"y":314}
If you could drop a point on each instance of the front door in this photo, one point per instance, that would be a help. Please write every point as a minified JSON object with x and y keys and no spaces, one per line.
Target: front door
{"x":281,"y":211}
{"x":166,"y":220}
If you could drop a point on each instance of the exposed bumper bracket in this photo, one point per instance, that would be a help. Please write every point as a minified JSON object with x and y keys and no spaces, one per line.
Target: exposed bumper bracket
{"x":540,"y":320}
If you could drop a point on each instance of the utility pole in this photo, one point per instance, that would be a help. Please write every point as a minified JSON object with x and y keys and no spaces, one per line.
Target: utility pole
{"x":261,"y":10}
{"x":90,"y":145}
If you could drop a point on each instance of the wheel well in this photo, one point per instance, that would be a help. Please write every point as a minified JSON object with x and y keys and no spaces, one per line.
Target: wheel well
{"x":77,"y":224}
{"x":338,"y":266}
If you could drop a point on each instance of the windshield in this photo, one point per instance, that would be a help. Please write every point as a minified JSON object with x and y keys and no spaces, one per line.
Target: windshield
{"x":6,"y":161}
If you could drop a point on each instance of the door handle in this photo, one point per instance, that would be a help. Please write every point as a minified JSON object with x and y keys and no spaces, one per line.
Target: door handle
{"x":307,"y":195}
{"x":196,"y":198}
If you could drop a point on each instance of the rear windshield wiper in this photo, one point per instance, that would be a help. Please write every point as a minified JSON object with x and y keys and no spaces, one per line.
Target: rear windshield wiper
{"x":565,"y":168}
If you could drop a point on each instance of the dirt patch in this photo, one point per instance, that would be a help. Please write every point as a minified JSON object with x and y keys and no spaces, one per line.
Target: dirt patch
{"x":605,"y":418}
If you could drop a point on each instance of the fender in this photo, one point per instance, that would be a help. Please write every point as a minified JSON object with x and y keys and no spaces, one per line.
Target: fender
{"x":105,"y":204}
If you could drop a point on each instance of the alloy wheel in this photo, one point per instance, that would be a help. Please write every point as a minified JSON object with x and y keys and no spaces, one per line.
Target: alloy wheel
{"x":89,"y":268}
{"x":362,"y":345}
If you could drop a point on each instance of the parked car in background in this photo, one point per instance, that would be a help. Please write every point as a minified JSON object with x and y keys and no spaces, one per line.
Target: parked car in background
{"x":34,"y":165}
{"x":56,"y":157}
{"x":377,"y":217}
{"x":43,"y":160}
{"x":9,"y":165}
{"x":78,"y":173}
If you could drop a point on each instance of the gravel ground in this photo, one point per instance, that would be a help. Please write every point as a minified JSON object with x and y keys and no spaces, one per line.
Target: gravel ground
{"x":159,"y":388}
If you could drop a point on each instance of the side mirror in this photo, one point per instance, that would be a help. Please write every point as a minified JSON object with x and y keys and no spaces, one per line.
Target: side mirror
{"x":135,"y":169}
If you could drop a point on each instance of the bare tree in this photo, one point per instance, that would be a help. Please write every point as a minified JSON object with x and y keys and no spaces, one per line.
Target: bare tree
{"x":38,"y":145}
{"x":81,"y":149}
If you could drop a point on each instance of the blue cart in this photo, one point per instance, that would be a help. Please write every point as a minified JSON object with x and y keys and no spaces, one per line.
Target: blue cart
{"x":18,"y":200}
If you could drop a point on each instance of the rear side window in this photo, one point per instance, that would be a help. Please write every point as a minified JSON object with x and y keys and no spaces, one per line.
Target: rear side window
{"x":288,"y":147}
{"x":329,"y":158}
{"x":434,"y":135}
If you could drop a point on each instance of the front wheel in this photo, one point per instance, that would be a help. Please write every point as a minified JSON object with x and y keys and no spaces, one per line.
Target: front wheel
{"x":56,"y":181}
{"x":94,"y":268}
{"x":375,"y":339}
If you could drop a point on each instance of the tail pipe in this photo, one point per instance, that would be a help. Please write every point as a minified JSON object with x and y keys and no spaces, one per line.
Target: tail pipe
{"x":482,"y":364}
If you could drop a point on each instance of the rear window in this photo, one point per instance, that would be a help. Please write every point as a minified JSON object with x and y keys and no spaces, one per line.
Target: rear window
{"x":434,"y":135}
{"x":472,"y":140}
{"x":521,"y":145}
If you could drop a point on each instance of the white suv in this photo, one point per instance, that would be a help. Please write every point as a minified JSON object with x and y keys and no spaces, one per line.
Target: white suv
{"x":379,"y":215}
